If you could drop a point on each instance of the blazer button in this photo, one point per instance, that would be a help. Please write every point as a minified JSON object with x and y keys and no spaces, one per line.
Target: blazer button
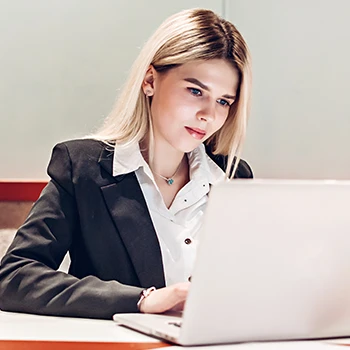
{"x":188,"y":241}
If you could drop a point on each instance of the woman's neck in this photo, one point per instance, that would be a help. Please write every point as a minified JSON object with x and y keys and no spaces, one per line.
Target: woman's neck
{"x":166,"y":161}
{"x":169,"y":167}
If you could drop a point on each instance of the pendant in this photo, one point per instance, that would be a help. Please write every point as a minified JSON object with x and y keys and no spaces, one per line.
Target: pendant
{"x":170,"y":181}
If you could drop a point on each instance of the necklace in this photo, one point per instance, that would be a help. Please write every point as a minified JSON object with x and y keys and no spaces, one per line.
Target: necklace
{"x":169,"y":180}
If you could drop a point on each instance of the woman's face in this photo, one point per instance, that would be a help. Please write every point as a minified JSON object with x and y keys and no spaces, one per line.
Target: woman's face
{"x":190,"y":102}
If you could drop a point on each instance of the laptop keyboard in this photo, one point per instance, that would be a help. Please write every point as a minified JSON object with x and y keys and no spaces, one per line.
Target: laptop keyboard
{"x":176,"y":324}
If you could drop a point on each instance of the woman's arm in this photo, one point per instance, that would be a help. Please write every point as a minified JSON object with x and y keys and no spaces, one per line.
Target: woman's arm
{"x":29,"y":281}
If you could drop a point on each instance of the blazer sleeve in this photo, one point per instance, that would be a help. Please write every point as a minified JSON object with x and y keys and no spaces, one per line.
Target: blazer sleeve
{"x":29,"y":281}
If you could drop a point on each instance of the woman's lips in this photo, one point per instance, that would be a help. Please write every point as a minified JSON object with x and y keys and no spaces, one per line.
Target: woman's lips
{"x":195,"y":132}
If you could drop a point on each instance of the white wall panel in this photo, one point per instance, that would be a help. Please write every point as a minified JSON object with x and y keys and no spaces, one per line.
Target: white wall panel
{"x":61,"y":63}
{"x":300,"y":122}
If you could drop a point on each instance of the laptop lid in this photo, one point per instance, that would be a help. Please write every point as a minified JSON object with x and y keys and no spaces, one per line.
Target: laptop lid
{"x":273,"y":263}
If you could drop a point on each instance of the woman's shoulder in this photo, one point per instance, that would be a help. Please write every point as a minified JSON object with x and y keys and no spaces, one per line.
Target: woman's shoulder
{"x":80,"y":153}
{"x":80,"y":161}
{"x":243,"y":171}
{"x":82,"y":146}
{"x":83,"y":149}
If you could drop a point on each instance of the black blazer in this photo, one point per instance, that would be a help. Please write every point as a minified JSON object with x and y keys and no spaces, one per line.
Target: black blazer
{"x":104,"y":223}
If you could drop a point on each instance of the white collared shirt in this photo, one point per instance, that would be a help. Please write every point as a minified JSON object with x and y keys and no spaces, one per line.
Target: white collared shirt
{"x":178,"y":227}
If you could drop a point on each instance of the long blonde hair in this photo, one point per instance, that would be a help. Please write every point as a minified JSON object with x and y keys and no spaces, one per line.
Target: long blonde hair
{"x":186,"y":36}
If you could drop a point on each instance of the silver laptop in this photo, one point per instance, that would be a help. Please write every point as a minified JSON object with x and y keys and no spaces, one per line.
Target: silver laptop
{"x":273,"y":263}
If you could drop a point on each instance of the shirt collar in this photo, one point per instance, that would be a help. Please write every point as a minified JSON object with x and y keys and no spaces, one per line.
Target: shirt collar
{"x":128,"y":158}
{"x":201,"y":165}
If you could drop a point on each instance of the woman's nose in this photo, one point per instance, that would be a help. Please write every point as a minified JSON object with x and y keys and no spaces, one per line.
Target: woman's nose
{"x":206,"y":113}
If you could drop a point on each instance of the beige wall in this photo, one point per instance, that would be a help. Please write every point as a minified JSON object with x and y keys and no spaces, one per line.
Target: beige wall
{"x":300,"y":125}
{"x":62,"y":61}
{"x":61,"y":64}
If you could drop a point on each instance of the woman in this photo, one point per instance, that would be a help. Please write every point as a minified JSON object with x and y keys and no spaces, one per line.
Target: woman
{"x":127,"y":203}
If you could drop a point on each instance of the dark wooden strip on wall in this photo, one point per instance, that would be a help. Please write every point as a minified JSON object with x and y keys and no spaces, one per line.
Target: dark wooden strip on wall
{"x":20,"y":190}
{"x":59,"y":345}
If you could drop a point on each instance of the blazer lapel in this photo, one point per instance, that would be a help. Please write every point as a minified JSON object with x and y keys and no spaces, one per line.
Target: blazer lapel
{"x":128,"y":208}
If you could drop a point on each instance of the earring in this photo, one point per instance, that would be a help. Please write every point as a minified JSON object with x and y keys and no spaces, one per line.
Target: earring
{"x":148,"y":93}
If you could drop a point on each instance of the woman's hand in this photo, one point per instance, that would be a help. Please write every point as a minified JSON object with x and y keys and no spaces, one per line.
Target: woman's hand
{"x":170,"y":298}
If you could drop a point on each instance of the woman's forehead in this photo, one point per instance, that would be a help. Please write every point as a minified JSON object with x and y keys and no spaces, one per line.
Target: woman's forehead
{"x":212,"y":73}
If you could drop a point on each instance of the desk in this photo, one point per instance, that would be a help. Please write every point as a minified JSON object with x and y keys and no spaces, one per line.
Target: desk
{"x":26,"y":332}
{"x":32,"y":332}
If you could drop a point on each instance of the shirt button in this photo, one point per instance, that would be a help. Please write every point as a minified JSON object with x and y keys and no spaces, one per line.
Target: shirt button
{"x":188,"y":241}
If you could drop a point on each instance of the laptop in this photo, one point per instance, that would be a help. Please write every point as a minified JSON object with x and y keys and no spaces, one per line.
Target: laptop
{"x":273,"y":263}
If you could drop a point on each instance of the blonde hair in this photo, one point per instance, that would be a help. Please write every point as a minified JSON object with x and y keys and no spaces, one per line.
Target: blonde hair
{"x":186,"y":36}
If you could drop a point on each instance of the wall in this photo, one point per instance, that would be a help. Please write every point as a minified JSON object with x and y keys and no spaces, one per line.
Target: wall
{"x":300,"y":122}
{"x":62,"y":62}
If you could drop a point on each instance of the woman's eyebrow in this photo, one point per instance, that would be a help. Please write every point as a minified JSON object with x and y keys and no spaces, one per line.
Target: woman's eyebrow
{"x":197,"y":82}
{"x":205,"y":87}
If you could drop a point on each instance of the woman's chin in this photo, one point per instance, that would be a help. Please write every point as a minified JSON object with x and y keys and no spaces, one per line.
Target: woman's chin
{"x":188,"y":148}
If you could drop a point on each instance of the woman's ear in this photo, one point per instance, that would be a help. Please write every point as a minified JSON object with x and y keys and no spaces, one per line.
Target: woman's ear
{"x":148,"y":81}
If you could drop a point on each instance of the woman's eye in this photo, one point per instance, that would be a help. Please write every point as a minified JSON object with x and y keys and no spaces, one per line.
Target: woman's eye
{"x":195,"y":92}
{"x":223,"y":102}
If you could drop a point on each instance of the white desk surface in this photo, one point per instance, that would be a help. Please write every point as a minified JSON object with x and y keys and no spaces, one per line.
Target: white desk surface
{"x":16,"y":326}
